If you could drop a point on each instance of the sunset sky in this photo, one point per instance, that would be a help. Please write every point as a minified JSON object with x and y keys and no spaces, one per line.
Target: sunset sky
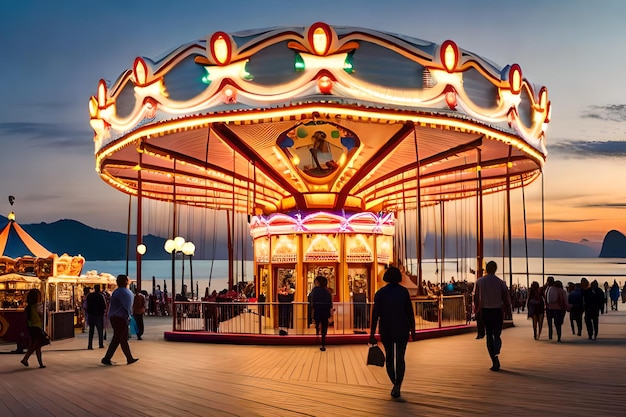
{"x":54,"y":52}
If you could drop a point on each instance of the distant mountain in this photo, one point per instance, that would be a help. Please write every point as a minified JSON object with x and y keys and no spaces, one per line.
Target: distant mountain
{"x":533,"y":248}
{"x":614,"y":245}
{"x":595,"y":245}
{"x":74,"y":238}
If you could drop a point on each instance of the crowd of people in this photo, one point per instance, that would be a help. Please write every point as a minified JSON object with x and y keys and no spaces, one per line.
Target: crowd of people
{"x":542,"y":304}
{"x":585,"y":301}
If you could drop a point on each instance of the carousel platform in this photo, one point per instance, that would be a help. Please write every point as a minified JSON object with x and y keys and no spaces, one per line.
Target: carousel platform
{"x":307,"y":339}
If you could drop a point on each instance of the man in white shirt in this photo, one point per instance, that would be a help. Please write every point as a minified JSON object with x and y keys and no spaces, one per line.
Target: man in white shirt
{"x":493,"y":298}
{"x":120,"y":309}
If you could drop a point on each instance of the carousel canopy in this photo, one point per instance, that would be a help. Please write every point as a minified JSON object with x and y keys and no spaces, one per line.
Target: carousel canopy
{"x":318,"y":117}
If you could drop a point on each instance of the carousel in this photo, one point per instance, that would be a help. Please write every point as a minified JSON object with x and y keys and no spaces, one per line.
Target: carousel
{"x":334,"y":143}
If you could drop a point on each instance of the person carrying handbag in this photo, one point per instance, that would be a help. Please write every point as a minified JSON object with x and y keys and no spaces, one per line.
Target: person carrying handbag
{"x":393,"y":314}
{"x":38,"y":337}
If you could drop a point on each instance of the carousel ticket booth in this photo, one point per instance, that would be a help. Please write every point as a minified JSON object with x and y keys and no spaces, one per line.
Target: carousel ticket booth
{"x":351,"y":251}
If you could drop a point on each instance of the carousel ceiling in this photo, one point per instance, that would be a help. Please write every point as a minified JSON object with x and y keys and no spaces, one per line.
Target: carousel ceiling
{"x":315,"y":118}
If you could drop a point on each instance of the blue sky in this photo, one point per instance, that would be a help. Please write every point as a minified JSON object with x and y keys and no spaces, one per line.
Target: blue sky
{"x":54,"y":52}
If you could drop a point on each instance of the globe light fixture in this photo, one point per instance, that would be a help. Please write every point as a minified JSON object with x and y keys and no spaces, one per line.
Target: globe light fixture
{"x":169,"y":246}
{"x":141,"y":249}
{"x":178,"y":243}
{"x":189,"y":248}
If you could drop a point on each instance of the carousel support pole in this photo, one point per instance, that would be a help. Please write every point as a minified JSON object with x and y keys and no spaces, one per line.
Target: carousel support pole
{"x":230,"y":252}
{"x":182,"y":279}
{"x":418,"y":209}
{"x":231,"y":234}
{"x":130,"y":200}
{"x":521,"y":177}
{"x":191,"y":275}
{"x":543,"y":233}
{"x":189,"y":249}
{"x":509,"y":164}
{"x":479,"y":217}
{"x":443,"y":260}
{"x":172,"y":249}
{"x":141,"y":248}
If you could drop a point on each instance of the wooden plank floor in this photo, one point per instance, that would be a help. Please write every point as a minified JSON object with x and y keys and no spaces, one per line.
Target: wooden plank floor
{"x":448,"y":376}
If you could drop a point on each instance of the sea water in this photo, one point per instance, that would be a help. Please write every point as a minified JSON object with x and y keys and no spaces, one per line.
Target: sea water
{"x":205,"y":274}
{"x":214,"y":274}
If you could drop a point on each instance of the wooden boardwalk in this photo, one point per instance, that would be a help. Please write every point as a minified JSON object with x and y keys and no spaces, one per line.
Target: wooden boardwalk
{"x":448,"y":376}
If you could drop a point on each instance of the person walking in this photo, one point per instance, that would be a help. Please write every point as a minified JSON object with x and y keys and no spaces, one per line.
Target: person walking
{"x":606,"y":298}
{"x":593,"y":301}
{"x":614,"y":295}
{"x":493,"y":300}
{"x":139,"y":309}
{"x":322,"y":302}
{"x":96,"y":307}
{"x":556,"y":305}
{"x":575,"y":300}
{"x":549,"y":312}
{"x":394,"y":310}
{"x":35,"y":326}
{"x":536,"y":308}
{"x":120,"y":308}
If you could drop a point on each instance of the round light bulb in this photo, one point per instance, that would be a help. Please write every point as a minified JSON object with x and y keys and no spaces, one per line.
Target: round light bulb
{"x":189,"y":248}
{"x":169,"y":246}
{"x":141,"y":249}
{"x":178,"y":243}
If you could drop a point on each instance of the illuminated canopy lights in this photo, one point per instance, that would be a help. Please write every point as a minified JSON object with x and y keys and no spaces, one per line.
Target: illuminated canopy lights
{"x":93,"y":107}
{"x":298,"y":62}
{"x":140,"y":71}
{"x":102,"y":93}
{"x":319,"y":38}
{"x":250,"y":113}
{"x":347,"y":64}
{"x":221,"y":48}
{"x":449,"y":55}
{"x":515,"y":78}
{"x":325,"y":85}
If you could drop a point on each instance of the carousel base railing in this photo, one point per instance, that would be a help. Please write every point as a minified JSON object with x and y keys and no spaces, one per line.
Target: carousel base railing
{"x":295,"y":318}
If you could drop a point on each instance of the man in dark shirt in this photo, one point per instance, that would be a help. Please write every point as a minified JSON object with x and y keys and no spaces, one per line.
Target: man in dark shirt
{"x":96,"y":306}
{"x":493,"y":298}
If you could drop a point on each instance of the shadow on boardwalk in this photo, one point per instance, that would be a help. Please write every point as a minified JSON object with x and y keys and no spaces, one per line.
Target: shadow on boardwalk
{"x":445,"y":377}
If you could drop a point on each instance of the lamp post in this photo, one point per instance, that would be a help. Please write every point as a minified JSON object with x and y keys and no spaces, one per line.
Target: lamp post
{"x":141,"y":250}
{"x":179,"y":242}
{"x":189,"y":249}
{"x":170,"y":247}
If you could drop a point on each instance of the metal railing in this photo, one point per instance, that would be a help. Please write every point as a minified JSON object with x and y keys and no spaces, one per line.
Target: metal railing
{"x":296,"y":317}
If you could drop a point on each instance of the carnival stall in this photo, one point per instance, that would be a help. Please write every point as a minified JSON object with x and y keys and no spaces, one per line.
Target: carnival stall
{"x":57,"y":277}
{"x":64,"y":296}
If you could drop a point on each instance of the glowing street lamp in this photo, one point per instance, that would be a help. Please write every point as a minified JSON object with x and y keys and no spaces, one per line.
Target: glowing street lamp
{"x":141,"y":249}
{"x":170,"y":247}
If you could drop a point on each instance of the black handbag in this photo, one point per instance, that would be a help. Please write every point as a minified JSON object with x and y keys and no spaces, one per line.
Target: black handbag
{"x":46,"y":339}
{"x":375,"y":356}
